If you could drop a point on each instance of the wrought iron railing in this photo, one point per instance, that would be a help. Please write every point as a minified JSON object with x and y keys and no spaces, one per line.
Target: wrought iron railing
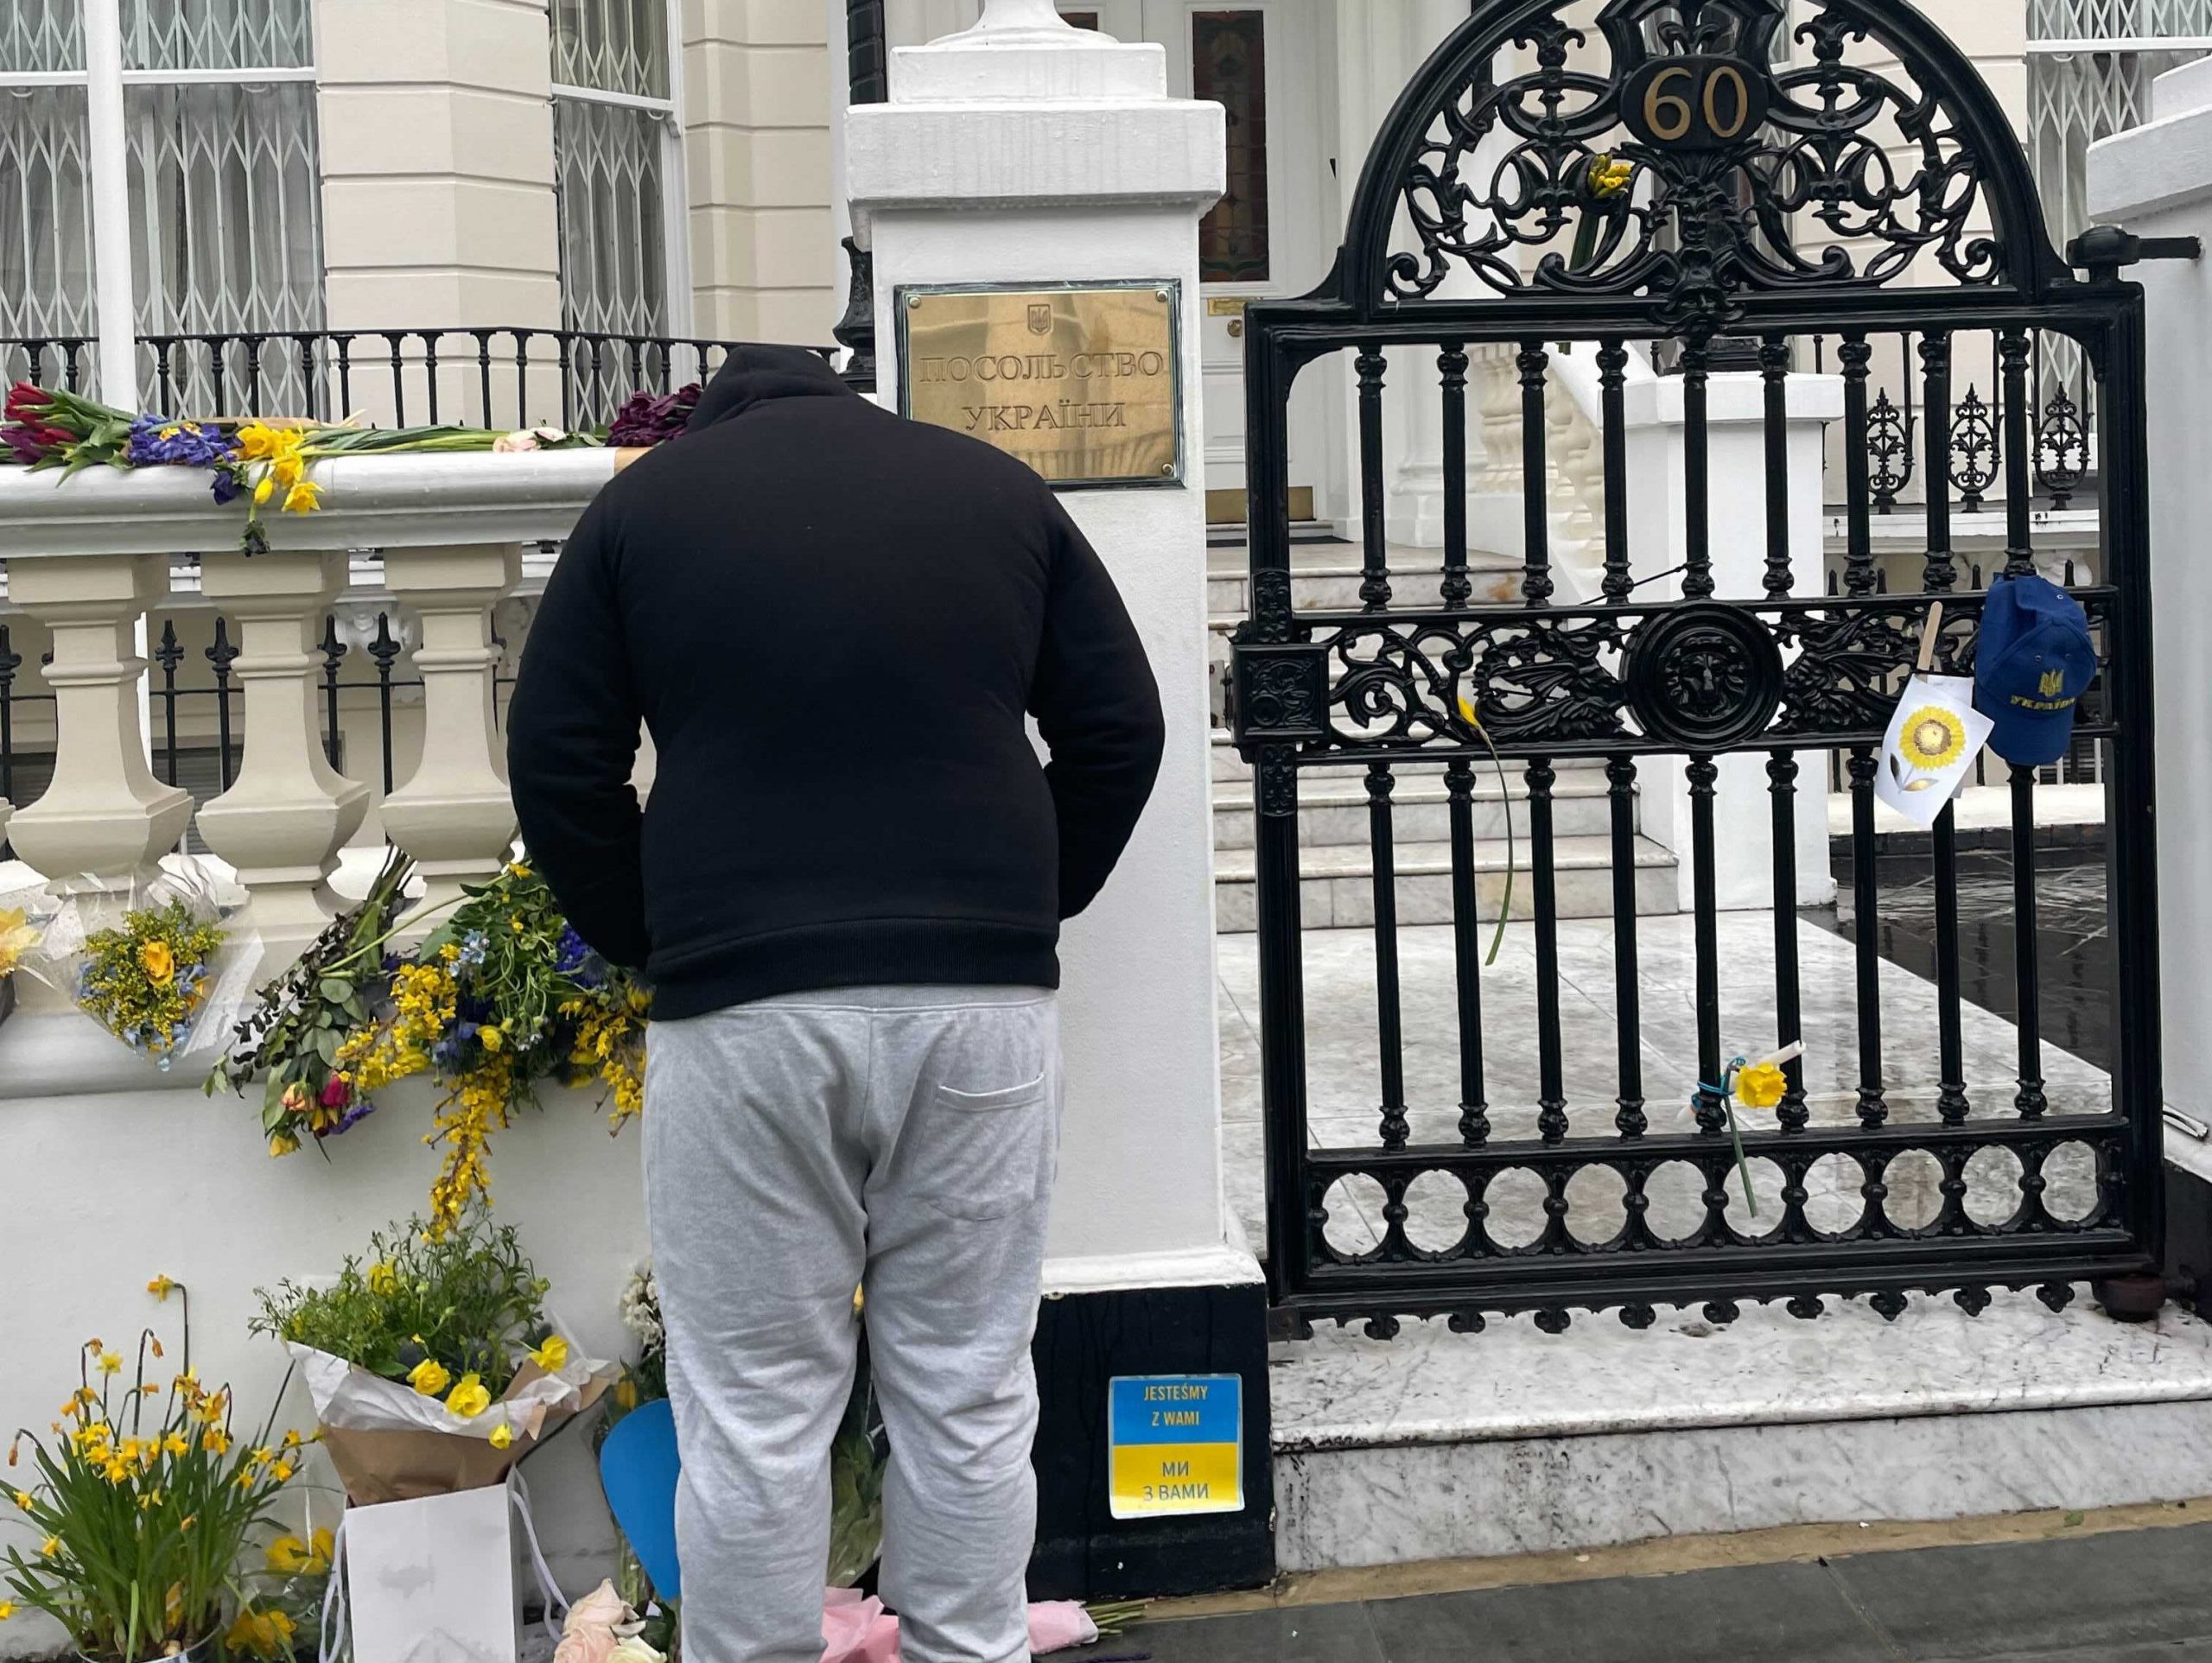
{"x":499,"y":377}
{"x":2060,"y":426}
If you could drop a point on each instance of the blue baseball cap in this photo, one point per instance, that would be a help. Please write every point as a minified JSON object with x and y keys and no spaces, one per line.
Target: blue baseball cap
{"x":2033,"y":661}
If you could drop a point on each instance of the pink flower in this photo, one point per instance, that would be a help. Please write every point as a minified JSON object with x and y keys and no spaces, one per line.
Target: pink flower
{"x":337,"y":1094}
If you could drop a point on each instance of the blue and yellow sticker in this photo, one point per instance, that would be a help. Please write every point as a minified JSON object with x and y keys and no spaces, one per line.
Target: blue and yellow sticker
{"x":1176,"y":1443}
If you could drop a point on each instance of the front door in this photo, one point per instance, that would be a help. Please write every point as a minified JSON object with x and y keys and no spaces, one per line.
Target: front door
{"x":1265,"y":237}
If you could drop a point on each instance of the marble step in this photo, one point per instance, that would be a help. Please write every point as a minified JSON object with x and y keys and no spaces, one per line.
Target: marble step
{"x":1325,"y":577}
{"x":1333,"y":809}
{"x":1436,"y":1446}
{"x":1336,"y":883}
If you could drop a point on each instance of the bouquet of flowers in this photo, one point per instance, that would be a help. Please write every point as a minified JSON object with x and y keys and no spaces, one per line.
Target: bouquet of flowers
{"x":502,"y":995}
{"x":646,"y":419}
{"x":141,"y":1504}
{"x":154,"y":964}
{"x":292,"y":1036}
{"x":432,"y":1364}
{"x":18,"y":935}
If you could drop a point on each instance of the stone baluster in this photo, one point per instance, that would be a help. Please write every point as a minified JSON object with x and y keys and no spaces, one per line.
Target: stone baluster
{"x":1578,"y":471}
{"x":1500,"y":429}
{"x":453,"y":814}
{"x":289,"y":812}
{"x":104,"y":815}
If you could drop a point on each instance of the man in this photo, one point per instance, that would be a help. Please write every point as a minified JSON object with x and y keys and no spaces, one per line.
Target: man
{"x":847,"y":892}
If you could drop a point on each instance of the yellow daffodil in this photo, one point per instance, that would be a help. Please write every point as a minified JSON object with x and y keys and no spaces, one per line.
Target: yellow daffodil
{"x":161,"y":1287}
{"x":382,"y":1279}
{"x":7,"y":1609}
{"x":282,"y":1144}
{"x":502,"y":1436}
{"x":187,"y":1521}
{"x":261,"y":1634}
{"x":215,"y":1440}
{"x":281,"y":1472}
{"x":50,"y":1548}
{"x":491,"y":1037}
{"x":1933,"y":737}
{"x":304,"y":498}
{"x":25,"y":1499}
{"x":625,"y":1393}
{"x":552,"y":1355}
{"x":1609,"y":177}
{"x":110,"y":1363}
{"x":469,"y":1399}
{"x":265,"y":490}
{"x":176,"y":1443}
{"x":159,"y":963}
{"x":1760,"y":1086}
{"x":287,"y":468}
{"x":429,"y":1377}
{"x":518,"y":869}
{"x":16,"y":938}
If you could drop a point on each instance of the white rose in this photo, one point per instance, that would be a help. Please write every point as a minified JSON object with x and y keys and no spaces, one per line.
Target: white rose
{"x":634,"y":1650}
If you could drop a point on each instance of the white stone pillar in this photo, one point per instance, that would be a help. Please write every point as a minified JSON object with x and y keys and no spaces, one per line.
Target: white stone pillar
{"x":1026,"y":151}
{"x":453,"y":814}
{"x":104,"y":815}
{"x":289,"y":812}
{"x":2156,"y":182}
{"x":1736,"y":426}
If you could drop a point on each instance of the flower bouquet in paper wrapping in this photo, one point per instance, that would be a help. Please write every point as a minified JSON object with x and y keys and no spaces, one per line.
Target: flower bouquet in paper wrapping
{"x":432,"y":1364}
{"x":158,"y":963}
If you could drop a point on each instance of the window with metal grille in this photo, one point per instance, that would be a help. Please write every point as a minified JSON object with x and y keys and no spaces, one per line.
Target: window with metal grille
{"x":220,"y":155}
{"x":618,"y":170}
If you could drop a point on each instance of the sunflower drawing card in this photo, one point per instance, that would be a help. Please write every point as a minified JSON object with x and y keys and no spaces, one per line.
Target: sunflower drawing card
{"x":1933,"y":739}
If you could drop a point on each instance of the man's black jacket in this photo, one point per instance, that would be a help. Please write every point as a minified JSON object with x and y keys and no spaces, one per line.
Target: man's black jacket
{"x":833,"y":622}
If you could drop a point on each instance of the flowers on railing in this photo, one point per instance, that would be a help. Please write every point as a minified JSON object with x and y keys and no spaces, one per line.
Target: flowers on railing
{"x":651,"y":419}
{"x":290,"y":1038}
{"x":264,"y":461}
{"x":500,"y":996}
{"x":155,"y":964}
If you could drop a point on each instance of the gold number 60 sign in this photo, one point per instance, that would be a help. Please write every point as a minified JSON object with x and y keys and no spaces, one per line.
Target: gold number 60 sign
{"x":1695,"y":103}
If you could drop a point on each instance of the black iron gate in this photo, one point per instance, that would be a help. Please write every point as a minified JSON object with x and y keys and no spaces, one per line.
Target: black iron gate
{"x":1703,"y":185}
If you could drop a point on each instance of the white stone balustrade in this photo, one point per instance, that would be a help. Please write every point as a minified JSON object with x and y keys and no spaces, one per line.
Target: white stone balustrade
{"x":90,"y":558}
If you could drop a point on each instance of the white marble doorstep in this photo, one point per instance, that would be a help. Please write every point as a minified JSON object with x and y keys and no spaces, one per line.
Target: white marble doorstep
{"x":1341,"y":1390}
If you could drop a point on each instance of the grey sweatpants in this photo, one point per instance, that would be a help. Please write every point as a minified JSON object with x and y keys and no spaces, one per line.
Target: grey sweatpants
{"x":793,"y":1146}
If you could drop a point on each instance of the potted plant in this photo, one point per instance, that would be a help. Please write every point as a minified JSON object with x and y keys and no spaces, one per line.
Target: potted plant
{"x":142,"y":1499}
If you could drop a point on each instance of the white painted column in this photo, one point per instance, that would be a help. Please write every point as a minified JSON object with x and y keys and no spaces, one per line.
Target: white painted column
{"x":2156,"y":182}
{"x":1026,"y":151}
{"x":289,"y":812}
{"x":453,"y":814}
{"x":1743,"y":832}
{"x":108,"y":167}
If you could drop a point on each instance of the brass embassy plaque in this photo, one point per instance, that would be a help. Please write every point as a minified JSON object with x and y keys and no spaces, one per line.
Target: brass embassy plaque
{"x":1082,"y":382}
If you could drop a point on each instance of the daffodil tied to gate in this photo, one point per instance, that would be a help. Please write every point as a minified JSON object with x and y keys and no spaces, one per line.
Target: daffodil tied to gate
{"x":1759,"y":1085}
{"x":431,"y":1362}
{"x":500,"y":996}
{"x":139,"y":1499}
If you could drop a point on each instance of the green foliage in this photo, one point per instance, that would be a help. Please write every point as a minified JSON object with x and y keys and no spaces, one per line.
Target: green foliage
{"x":139,"y":1505}
{"x":468,"y":1301}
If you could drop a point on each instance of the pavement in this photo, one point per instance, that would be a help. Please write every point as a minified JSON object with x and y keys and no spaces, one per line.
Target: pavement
{"x":2126,"y":1596}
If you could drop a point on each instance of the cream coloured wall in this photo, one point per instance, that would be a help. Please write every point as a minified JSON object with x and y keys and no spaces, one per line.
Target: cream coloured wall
{"x":437,"y":159}
{"x":760,"y":88}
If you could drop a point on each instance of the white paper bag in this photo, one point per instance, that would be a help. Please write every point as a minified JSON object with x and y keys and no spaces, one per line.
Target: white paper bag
{"x":1933,"y":739}
{"x":432,"y":1581}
